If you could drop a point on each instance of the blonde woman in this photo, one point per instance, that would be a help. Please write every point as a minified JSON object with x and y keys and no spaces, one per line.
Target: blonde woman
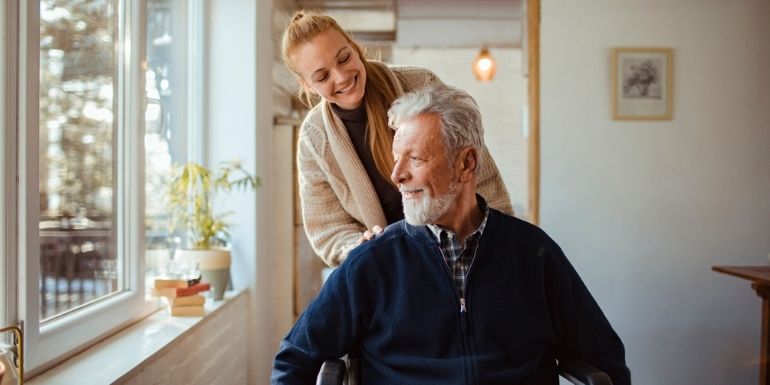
{"x":344,"y":155}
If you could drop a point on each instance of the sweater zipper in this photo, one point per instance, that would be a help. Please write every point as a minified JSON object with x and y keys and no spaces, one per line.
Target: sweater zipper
{"x":464,"y":320}
{"x":463,"y":305}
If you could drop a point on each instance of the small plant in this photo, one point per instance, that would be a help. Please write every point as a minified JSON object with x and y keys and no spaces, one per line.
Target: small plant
{"x":191,"y":198}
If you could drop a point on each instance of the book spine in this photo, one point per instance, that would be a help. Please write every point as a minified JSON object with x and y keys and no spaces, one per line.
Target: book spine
{"x":177,"y":311}
{"x":194,"y":289}
{"x":163,"y":283}
{"x":190,"y":300}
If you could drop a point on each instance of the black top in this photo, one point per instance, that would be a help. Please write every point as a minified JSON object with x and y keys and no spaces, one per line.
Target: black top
{"x":355,"y":122}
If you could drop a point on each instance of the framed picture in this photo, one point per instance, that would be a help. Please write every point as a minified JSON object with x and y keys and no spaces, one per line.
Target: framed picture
{"x":642,"y":83}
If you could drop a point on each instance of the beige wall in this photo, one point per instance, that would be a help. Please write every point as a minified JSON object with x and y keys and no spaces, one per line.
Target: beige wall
{"x":644,"y":209}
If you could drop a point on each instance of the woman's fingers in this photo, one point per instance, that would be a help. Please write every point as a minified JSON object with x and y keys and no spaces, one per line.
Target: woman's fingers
{"x":368,"y":235}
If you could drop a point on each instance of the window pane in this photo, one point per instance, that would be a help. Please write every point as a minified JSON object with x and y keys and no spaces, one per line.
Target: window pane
{"x":166,"y":122}
{"x":78,"y":260}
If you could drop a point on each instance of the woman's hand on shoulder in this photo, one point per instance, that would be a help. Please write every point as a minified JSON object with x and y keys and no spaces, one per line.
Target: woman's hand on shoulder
{"x":369,"y":234}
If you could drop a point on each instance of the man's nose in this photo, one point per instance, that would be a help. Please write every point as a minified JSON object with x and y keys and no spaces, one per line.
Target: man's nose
{"x":399,"y":175}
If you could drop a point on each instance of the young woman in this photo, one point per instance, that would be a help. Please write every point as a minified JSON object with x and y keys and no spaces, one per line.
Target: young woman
{"x":344,"y":152}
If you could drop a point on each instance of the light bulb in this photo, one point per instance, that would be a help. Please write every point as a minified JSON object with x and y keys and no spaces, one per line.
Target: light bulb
{"x":484,"y":66}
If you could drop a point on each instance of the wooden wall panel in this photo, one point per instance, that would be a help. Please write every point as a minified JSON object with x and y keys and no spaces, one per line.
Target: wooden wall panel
{"x":214,"y":351}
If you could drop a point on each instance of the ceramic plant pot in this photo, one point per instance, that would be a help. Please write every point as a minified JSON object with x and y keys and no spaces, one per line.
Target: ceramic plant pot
{"x":213,"y":264}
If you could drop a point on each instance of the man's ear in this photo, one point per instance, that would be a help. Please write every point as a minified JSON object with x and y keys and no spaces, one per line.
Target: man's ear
{"x":468,"y":162}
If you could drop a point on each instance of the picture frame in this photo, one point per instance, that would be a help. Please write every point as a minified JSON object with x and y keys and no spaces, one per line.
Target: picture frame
{"x":642,"y":83}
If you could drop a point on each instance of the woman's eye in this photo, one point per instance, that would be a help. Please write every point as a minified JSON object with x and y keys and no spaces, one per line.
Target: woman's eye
{"x":344,"y":60}
{"x":321,"y":79}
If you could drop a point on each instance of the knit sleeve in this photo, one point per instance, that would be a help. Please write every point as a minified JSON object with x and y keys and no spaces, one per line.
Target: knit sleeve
{"x":413,"y":78}
{"x":332,"y":232}
{"x":489,"y":184}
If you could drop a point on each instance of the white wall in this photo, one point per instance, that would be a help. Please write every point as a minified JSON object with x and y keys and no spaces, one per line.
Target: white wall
{"x":644,"y":209}
{"x":231,"y":116}
{"x":240,"y":124}
{"x":500,"y":101}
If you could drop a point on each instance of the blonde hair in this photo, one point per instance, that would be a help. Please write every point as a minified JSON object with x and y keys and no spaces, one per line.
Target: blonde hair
{"x":381,"y":88}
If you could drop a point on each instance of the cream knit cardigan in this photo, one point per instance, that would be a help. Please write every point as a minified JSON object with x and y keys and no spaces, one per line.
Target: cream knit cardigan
{"x":338,"y":200}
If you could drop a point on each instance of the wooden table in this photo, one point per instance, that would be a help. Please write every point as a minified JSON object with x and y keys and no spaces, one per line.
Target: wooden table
{"x":760,"y":282}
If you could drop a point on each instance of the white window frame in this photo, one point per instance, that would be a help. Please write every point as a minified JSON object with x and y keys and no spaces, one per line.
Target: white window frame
{"x":46,"y":345}
{"x":51,"y":342}
{"x":7,"y":151}
{"x":55,"y":341}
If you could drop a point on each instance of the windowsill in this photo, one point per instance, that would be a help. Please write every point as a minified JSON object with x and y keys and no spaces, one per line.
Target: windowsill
{"x":128,"y":349}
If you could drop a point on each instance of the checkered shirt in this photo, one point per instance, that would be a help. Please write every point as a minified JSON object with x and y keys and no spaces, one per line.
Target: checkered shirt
{"x":457,"y":257}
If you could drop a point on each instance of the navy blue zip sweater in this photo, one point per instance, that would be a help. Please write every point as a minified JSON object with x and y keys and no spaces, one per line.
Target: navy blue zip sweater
{"x":394,"y":300}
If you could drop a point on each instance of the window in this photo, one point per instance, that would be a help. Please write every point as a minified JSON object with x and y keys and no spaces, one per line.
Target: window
{"x":169,"y":91}
{"x":102,"y":114}
{"x":78,"y":164}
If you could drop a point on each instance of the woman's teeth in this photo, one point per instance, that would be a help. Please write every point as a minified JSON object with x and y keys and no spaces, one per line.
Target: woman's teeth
{"x":350,"y":87}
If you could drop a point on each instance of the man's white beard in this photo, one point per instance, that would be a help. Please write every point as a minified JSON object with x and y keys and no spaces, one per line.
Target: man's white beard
{"x":426,"y":209}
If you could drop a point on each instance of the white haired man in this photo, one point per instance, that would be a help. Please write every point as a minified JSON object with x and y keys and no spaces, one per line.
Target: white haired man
{"x":457,"y":293}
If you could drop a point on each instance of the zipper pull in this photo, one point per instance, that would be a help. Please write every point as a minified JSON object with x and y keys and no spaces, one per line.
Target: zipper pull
{"x":462,"y":305}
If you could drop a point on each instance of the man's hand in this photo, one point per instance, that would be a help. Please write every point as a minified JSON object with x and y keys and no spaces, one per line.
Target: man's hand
{"x":369,"y":235}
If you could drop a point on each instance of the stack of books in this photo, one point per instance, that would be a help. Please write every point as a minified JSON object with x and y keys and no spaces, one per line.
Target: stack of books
{"x":182,"y":295}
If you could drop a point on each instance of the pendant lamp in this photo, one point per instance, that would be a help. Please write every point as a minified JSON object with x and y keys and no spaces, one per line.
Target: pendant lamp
{"x":484,"y":66}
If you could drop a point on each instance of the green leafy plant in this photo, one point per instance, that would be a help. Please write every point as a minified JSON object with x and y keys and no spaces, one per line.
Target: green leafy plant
{"x":191,"y":198}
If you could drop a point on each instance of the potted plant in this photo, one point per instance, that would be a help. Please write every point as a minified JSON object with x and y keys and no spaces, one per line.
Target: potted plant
{"x":191,"y":196}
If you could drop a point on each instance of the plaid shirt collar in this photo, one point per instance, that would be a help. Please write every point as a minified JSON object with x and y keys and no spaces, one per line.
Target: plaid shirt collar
{"x":457,"y":257}
{"x":437,"y":230}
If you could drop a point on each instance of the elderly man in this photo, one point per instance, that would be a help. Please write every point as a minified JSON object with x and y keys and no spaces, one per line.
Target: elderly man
{"x":457,"y":293}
